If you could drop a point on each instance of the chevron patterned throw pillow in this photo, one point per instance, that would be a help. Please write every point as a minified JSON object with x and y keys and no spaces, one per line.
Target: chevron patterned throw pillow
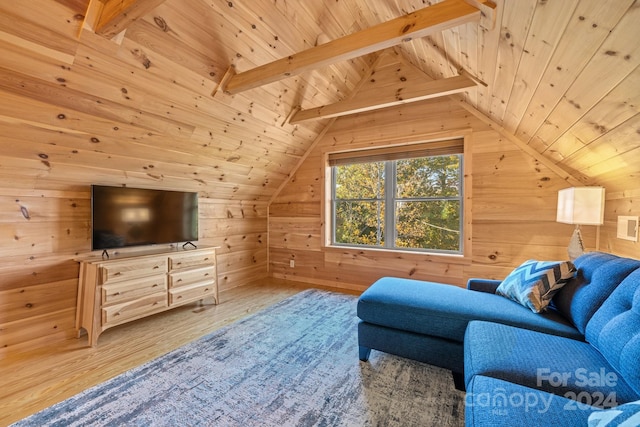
{"x":534,"y":283}
{"x":623,"y":415}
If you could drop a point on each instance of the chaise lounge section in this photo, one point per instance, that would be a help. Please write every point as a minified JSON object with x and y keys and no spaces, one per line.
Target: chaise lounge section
{"x":585,"y":347}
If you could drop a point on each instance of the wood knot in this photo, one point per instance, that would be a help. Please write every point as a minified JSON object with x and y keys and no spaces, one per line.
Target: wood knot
{"x":160,"y":22}
{"x":25,"y":212}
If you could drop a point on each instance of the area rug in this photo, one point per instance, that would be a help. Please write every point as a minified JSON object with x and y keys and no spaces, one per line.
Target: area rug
{"x":292,"y":364}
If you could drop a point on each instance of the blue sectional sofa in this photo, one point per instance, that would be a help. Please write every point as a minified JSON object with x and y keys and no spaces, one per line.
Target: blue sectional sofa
{"x":558,"y":367}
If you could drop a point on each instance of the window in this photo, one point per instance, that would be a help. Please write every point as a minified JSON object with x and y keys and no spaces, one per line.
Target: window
{"x":408,"y":200}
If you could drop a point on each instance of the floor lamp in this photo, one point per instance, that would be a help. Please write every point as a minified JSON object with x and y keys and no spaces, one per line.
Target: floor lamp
{"x":580,"y":206}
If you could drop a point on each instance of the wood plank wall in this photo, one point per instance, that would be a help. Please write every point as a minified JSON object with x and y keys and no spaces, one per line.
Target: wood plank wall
{"x":513,"y":207}
{"x":43,"y":230}
{"x":77,"y":109}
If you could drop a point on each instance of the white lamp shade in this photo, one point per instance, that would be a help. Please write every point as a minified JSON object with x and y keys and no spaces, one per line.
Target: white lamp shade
{"x":581,"y":205}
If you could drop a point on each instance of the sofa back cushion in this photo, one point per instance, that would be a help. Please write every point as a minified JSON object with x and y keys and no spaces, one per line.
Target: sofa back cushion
{"x":615,"y":330}
{"x":598,"y":275}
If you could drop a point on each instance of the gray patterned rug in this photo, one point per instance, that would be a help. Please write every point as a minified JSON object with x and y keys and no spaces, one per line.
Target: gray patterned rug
{"x":292,"y":364}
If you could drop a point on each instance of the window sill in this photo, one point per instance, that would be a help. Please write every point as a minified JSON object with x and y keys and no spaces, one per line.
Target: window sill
{"x":400,"y":254}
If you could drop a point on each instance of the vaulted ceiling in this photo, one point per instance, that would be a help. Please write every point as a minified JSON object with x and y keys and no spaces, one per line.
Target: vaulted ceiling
{"x":562,"y":76}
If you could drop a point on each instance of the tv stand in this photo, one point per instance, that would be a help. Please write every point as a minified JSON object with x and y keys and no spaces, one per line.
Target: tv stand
{"x":127,"y":287}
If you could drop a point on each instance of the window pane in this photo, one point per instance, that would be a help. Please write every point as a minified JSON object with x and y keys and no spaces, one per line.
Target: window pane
{"x":360,"y":223}
{"x":428,"y":225}
{"x":360,"y":181}
{"x":437,"y":176}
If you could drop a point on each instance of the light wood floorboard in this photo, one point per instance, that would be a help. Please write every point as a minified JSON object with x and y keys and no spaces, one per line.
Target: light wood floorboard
{"x":34,"y":380}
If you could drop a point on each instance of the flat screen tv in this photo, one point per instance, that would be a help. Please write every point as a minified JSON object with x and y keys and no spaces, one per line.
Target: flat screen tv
{"x":123,"y":217}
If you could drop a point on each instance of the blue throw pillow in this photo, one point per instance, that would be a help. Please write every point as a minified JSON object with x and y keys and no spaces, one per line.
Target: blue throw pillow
{"x":627,"y":415}
{"x":534,"y":283}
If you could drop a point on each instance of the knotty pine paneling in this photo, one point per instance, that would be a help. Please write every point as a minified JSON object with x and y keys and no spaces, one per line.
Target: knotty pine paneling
{"x":43,"y":230}
{"x":513,"y":206}
{"x":77,"y":108}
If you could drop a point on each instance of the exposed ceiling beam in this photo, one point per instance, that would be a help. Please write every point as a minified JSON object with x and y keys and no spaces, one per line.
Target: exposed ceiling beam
{"x":324,"y":130}
{"x":117,"y":15}
{"x":432,"y":19}
{"x":403,"y":94}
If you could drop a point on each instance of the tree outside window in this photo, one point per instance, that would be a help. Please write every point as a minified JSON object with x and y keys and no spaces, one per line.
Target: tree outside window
{"x":410,"y":203}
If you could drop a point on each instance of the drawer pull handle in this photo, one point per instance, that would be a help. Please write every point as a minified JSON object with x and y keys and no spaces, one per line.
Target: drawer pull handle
{"x":119,"y":273}
{"x":206,"y":274}
{"x":155,"y":267}
{"x":206,"y":259}
{"x":116,"y":294}
{"x":179,"y":280}
{"x":155,"y":285}
{"x":206,"y":289}
{"x":116,"y":314}
{"x":179,"y":296}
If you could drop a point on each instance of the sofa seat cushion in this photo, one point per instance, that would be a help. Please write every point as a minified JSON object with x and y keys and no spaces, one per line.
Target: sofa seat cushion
{"x":444,"y":311}
{"x":598,"y":275}
{"x":615,"y":329}
{"x":493,"y":402}
{"x":569,"y":368}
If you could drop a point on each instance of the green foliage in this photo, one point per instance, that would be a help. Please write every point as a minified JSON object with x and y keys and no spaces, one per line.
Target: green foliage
{"x":437,"y":176}
{"x":360,"y":204}
{"x":360,"y":223}
{"x":428,"y":225}
{"x":360,"y":181}
{"x":427,"y":203}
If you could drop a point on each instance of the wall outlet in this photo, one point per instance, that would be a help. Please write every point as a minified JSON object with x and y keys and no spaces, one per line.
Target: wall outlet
{"x":292,"y":263}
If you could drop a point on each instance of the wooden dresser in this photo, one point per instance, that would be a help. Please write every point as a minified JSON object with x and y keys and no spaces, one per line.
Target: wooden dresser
{"x":128,"y":287}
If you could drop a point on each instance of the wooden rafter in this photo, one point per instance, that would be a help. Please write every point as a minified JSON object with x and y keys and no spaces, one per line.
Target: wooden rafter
{"x":117,"y":15}
{"x":403,"y":94}
{"x":326,"y":128}
{"x":432,"y":19}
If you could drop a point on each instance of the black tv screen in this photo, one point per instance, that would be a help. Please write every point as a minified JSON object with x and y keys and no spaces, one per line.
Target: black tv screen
{"x":123,"y":216}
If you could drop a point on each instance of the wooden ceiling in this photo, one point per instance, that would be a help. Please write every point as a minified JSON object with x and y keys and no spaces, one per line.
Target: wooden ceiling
{"x":143,"y":108}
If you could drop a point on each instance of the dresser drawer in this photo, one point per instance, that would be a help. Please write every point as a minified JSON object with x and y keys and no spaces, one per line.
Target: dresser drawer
{"x":189,"y":277}
{"x":135,"y":309}
{"x":113,"y":293}
{"x":185,"y":294}
{"x":123,"y":270}
{"x":191,"y":260}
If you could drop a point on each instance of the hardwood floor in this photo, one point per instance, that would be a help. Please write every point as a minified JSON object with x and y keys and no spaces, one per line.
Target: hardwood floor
{"x":37,"y":379}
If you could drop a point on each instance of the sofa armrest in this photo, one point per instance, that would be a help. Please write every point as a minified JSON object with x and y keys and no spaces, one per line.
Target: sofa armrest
{"x":483,"y":285}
